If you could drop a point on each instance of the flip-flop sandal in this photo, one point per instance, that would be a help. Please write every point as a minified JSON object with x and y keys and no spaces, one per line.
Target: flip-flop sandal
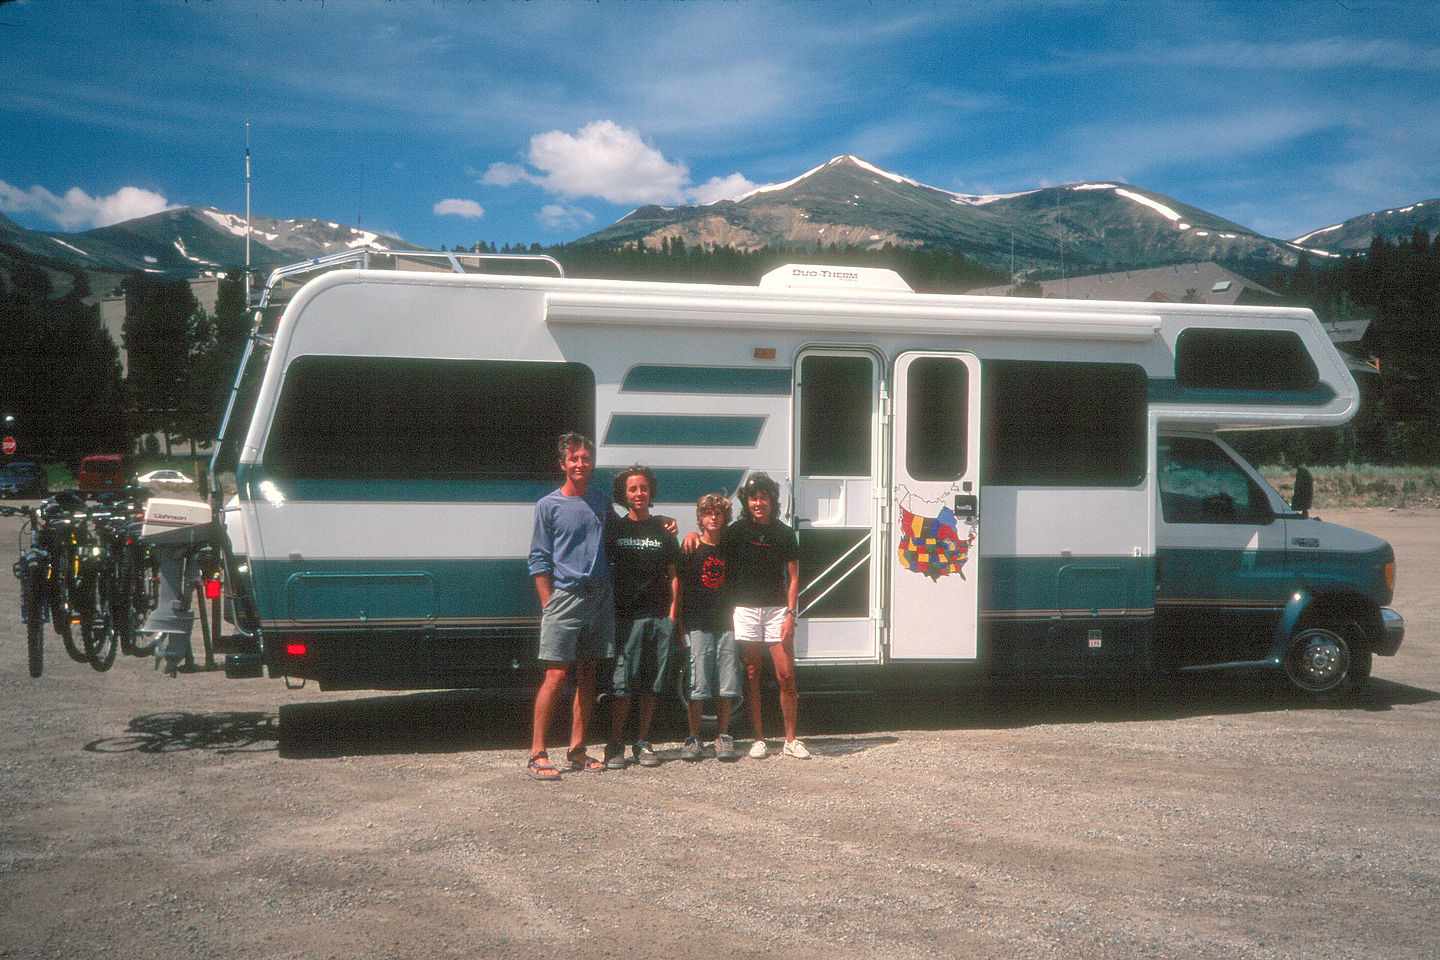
{"x":540,"y":768}
{"x":578,"y":761}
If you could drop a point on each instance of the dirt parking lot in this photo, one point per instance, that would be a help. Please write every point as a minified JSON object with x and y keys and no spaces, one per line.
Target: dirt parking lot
{"x":149,"y":817}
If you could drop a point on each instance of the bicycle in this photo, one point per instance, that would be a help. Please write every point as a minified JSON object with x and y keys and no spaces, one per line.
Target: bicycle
{"x":32,"y":568}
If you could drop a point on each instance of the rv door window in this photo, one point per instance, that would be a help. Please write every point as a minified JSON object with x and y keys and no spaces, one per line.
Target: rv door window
{"x":1049,"y":423}
{"x":389,"y":418}
{"x":937,"y":404}
{"x":836,"y":401}
{"x":1200,"y":484}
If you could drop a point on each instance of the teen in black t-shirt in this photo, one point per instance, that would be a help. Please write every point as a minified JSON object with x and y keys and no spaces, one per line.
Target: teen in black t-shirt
{"x":707,"y":629}
{"x":647,"y":594}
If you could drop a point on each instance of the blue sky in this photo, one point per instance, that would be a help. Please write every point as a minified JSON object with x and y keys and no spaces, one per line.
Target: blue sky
{"x":452,"y":121}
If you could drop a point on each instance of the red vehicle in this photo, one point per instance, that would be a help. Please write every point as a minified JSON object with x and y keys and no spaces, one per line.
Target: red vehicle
{"x":101,"y":471}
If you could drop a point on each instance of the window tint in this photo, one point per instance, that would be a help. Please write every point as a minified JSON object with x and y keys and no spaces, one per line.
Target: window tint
{"x":382,"y":418}
{"x":1199,"y":483}
{"x":937,"y":411}
{"x":1222,"y":359}
{"x":836,"y":397}
{"x":1047,"y":423}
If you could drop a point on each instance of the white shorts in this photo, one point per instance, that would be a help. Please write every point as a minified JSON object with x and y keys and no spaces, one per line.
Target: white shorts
{"x":759,"y":624}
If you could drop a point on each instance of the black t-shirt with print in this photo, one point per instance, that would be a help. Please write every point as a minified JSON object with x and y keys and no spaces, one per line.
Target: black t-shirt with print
{"x":755,"y":559}
{"x":641,"y":551}
{"x":703,"y":603}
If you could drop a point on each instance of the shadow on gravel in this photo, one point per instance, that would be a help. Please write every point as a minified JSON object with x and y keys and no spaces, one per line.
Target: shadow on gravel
{"x":833,"y":724}
{"x":443,"y":721}
{"x":1030,"y":704}
{"x":171,"y":732}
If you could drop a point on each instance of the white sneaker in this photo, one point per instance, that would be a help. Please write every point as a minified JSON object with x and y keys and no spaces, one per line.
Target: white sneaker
{"x":796,"y":749}
{"x":758,"y":750}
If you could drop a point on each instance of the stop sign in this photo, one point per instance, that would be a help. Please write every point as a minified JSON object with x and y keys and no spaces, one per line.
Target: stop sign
{"x":9,"y":446}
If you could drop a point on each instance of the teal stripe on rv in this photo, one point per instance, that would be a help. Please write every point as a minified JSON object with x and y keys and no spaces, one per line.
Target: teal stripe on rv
{"x":681,"y":430}
{"x":1075,"y":586}
{"x":656,"y":378}
{"x":677,"y":485}
{"x":1170,"y":391}
{"x":393,"y":589}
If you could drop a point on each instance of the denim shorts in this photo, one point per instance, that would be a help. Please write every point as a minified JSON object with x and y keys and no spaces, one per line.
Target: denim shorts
{"x":644,"y":661}
{"x":714,"y":664}
{"x":579,"y":622}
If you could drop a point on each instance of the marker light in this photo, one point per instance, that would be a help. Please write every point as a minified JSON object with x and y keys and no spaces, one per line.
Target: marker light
{"x":296,"y":649}
{"x":212,"y":589}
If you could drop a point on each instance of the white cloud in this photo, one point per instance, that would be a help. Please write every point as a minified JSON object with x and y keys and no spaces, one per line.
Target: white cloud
{"x":722,"y":188}
{"x":607,"y":161}
{"x":77,"y":210}
{"x":459,"y":208}
{"x":558,"y":216}
{"x":612,"y":163}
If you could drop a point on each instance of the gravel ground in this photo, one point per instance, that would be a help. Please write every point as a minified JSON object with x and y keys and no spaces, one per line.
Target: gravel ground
{"x":142,"y":816}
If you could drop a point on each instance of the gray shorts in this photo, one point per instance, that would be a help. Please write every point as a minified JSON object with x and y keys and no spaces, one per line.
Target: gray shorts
{"x":714,"y":664}
{"x":644,"y":661}
{"x":579,"y":622}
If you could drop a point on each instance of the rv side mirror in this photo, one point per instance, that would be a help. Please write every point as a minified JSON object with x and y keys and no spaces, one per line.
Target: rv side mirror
{"x":1304,"y":492}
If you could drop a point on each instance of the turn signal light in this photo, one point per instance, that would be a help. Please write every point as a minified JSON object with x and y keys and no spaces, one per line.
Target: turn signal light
{"x":1390,"y":576}
{"x":212,"y":589}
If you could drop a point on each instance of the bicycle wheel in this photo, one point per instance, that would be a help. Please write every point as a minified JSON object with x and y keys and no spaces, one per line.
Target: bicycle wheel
{"x":32,"y":607}
{"x":100,"y":643}
{"x":59,"y":594}
{"x":134,"y":603}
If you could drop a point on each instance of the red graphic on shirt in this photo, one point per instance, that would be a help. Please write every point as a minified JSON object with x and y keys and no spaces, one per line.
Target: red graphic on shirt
{"x":712,"y":573}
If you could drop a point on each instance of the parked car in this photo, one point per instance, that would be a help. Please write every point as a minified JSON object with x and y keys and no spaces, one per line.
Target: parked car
{"x":22,"y":479}
{"x":101,"y":471}
{"x":163,"y":476}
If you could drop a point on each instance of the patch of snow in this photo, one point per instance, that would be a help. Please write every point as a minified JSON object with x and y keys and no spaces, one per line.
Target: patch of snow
{"x":226,"y":221}
{"x":1182,"y":226}
{"x":1316,"y":233}
{"x":1230,"y":236}
{"x":1144,"y":201}
{"x":1202,"y":233}
{"x":365,"y":239}
{"x":150,"y":259}
{"x":1101,"y":186}
{"x":69,"y":247}
{"x":981,"y":200}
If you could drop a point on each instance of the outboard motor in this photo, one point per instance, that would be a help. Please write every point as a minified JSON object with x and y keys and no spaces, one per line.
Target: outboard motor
{"x":175,"y":530}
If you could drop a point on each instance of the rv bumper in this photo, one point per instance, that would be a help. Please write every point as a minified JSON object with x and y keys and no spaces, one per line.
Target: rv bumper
{"x":1394,"y":625}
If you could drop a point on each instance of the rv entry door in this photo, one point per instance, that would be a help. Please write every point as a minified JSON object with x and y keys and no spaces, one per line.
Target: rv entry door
{"x":837,"y":458}
{"x":934,"y":533}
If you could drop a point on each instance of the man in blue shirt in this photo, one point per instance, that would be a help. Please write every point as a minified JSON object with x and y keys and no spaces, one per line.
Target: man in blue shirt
{"x":577,"y":623}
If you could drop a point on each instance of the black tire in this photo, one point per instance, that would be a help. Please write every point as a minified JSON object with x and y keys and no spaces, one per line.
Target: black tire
{"x":32,"y":604}
{"x":1318,"y":659}
{"x":100,"y":642}
{"x":61,"y":609}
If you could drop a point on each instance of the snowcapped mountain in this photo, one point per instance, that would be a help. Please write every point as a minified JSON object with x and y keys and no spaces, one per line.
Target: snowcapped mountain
{"x":1356,"y":233}
{"x":190,"y":240}
{"x":1092,"y":226}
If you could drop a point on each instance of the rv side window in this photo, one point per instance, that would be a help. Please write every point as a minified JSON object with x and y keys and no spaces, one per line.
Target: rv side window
{"x":1200,"y":484}
{"x":937,"y":401}
{"x":1047,"y":423}
{"x":1223,"y":359}
{"x":386,"y":418}
{"x":836,"y":398}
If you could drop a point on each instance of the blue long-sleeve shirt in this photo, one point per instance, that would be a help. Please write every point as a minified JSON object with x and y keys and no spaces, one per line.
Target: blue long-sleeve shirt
{"x":568,"y":541}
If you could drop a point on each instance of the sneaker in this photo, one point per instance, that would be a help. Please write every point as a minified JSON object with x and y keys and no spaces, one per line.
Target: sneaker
{"x":758,"y":750}
{"x":691,"y":749}
{"x":645,"y":754}
{"x":725,"y":748}
{"x":614,"y":756}
{"x":796,"y":749}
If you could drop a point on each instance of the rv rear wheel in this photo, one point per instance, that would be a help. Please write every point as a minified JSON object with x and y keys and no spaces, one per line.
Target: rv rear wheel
{"x":1317,"y":660}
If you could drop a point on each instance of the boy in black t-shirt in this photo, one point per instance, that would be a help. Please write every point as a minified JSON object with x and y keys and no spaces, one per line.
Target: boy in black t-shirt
{"x":705,"y":621}
{"x":647,"y":595}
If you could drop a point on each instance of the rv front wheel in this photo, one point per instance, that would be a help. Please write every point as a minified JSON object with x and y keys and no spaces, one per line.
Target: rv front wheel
{"x":1318,"y":660}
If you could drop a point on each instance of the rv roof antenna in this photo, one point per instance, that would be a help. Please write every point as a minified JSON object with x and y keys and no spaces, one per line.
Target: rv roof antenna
{"x":360,"y":212}
{"x":247,"y":190}
{"x":1060,"y":239}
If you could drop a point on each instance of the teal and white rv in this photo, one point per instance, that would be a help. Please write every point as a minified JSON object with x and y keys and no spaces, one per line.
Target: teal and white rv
{"x":985,"y":485}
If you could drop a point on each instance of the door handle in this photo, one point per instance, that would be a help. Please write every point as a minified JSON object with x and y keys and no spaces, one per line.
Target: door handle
{"x":966,"y":505}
